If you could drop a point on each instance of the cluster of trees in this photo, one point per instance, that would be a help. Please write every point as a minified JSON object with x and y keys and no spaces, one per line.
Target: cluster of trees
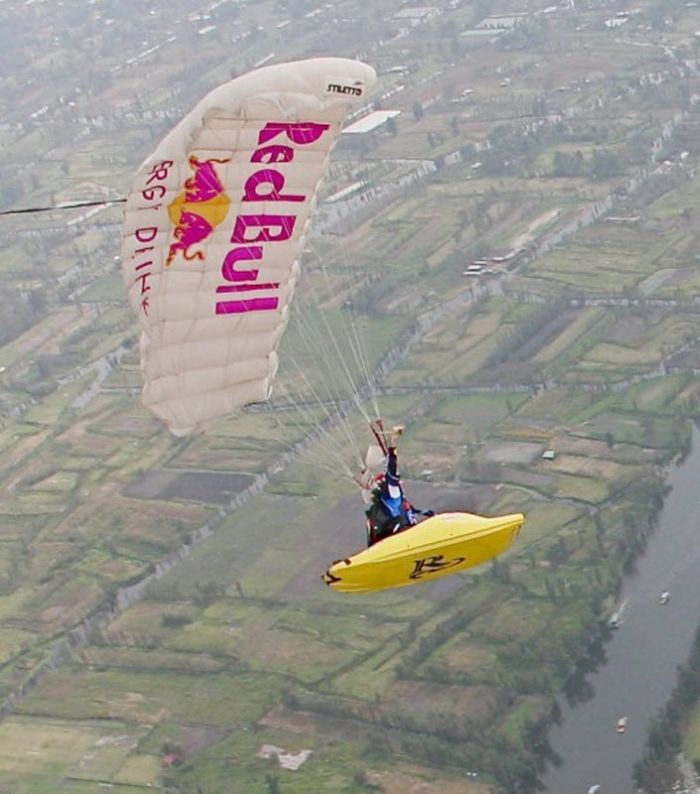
{"x":511,"y":146}
{"x":430,"y":642}
{"x":657,"y":13}
{"x":658,"y":772}
{"x":603,"y":164}
{"x":445,"y":739}
{"x":19,"y":310}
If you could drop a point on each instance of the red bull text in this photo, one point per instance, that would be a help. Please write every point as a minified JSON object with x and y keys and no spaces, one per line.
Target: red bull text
{"x":251,"y":230}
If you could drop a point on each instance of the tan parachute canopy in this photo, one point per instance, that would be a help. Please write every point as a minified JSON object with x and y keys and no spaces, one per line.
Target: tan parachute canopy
{"x":214,"y":228}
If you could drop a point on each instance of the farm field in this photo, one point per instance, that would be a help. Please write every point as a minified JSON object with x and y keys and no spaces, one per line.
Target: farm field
{"x":163,"y":624}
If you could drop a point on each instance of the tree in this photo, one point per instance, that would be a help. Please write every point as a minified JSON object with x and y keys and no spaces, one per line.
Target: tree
{"x":565,"y":164}
{"x":539,"y":106}
{"x":37,"y":302}
{"x":11,"y":192}
{"x":604,"y":164}
{"x":273,"y":784}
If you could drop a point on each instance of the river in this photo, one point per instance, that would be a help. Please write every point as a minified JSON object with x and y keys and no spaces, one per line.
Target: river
{"x":642,"y":655}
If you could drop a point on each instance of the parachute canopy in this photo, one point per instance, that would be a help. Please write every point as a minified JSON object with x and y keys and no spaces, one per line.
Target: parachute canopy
{"x":214,"y":226}
{"x":437,"y":547}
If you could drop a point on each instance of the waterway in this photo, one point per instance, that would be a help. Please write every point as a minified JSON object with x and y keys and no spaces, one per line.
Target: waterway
{"x":642,"y":655}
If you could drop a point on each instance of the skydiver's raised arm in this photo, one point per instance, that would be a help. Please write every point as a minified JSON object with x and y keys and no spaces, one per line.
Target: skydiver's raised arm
{"x":392,"y":467}
{"x":392,"y":463}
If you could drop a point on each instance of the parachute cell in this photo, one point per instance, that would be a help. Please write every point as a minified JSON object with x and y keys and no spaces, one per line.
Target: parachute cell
{"x":214,"y":227}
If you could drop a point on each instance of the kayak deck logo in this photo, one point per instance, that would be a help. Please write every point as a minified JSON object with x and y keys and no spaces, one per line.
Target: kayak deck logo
{"x":434,"y":564}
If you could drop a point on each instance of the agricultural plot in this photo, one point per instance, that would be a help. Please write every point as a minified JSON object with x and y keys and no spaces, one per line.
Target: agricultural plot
{"x":482,"y":411}
{"x":648,"y":348}
{"x":229,"y":699}
{"x":241,"y":645}
{"x":653,"y":396}
{"x":586,"y":325}
{"x":452,"y":351}
{"x":39,"y":751}
{"x":208,"y":487}
{"x":580,"y":269}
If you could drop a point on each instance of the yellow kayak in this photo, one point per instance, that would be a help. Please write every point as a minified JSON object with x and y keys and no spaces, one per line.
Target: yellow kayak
{"x":438,"y":546}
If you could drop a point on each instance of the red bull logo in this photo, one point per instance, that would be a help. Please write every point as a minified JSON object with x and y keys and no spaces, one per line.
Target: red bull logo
{"x":198,"y":210}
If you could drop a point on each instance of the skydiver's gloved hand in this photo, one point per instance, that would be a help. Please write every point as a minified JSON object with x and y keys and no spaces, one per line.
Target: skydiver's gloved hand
{"x":394,"y":435}
{"x":428,"y":513}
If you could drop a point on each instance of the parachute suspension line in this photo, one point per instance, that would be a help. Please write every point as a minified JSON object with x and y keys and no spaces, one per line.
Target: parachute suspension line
{"x":320,"y":460}
{"x":351,"y":335}
{"x":331,"y":416}
{"x":333,"y":446}
{"x":337,"y":356}
{"x":325,"y":438}
{"x":361,"y":355}
{"x":336,"y":416}
{"x":359,"y":350}
{"x":346,"y":379}
{"x":309,"y":420}
{"x":322,"y":345}
{"x":312,"y":341}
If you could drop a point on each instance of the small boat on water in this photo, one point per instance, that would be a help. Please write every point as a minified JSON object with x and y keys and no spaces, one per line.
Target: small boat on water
{"x":665,"y":597}
{"x":621,"y":724}
{"x":594,"y":789}
{"x":615,"y":620}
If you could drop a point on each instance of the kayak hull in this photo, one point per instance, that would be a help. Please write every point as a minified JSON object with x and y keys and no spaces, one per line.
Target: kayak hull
{"x":437,"y":547}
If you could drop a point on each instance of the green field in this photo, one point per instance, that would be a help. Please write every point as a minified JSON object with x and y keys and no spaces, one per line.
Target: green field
{"x":235,"y":643}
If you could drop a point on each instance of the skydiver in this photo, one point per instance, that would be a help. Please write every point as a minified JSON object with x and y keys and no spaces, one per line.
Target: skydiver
{"x":390,"y":511}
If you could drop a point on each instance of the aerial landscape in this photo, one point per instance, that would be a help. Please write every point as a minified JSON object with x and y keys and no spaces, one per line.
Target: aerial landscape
{"x":504,"y":258}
